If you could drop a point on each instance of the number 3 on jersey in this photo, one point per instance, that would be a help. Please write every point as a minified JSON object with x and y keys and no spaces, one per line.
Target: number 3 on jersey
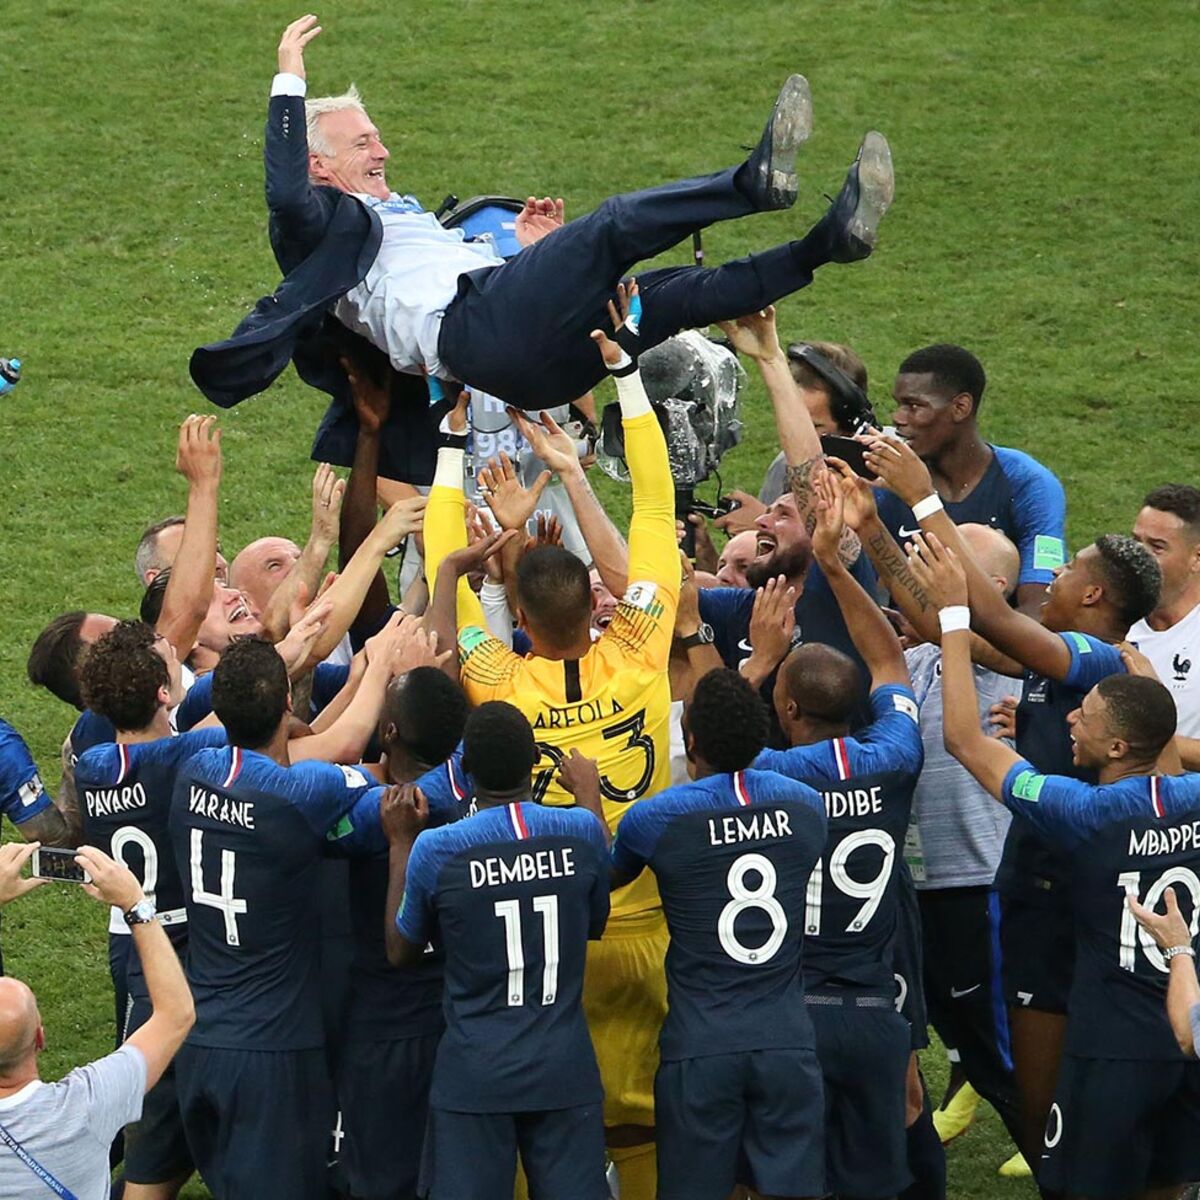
{"x":224,"y":901}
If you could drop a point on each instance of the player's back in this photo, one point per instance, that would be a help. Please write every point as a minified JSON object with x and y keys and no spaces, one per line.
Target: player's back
{"x":867,"y":784}
{"x":248,"y":836}
{"x":125,"y":798}
{"x":1142,"y":837}
{"x":512,"y":895}
{"x":732,"y":855}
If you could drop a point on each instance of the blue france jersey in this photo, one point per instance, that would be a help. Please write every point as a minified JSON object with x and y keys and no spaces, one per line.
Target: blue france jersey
{"x":125,"y":799}
{"x":867,"y":782}
{"x":22,"y":794}
{"x":512,"y":895}
{"x":248,"y":837}
{"x":1016,"y":495}
{"x":732,"y":855}
{"x":1032,"y":867}
{"x":1136,"y":837}
{"x":389,"y":1003}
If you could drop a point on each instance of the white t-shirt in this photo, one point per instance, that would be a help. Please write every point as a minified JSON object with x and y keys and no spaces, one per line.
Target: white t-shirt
{"x":68,"y":1127}
{"x":1175,"y":654}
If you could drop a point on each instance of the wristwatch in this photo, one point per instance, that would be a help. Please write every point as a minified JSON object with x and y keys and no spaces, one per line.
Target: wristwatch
{"x":141,"y":913}
{"x":703,"y":636}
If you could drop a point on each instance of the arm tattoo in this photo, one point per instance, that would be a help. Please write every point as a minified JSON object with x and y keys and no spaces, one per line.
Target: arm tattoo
{"x":799,"y":478}
{"x":890,"y":560}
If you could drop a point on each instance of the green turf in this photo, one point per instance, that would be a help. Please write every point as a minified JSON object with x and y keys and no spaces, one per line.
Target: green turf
{"x":1045,"y":158}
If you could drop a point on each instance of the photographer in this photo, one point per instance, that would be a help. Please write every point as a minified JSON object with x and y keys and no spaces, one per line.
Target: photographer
{"x":54,"y":1137}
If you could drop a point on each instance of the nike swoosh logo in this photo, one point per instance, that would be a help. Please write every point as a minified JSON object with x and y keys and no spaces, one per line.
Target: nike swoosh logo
{"x":744,"y":644}
{"x":955,"y":994}
{"x":907,"y":533}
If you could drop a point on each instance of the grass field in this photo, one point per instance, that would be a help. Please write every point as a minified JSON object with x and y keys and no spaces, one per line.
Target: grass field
{"x":1045,"y":157}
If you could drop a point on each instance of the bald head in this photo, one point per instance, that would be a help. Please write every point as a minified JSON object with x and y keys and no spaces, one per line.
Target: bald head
{"x":998,"y":557}
{"x":20,"y":1024}
{"x":818,"y":682}
{"x":261,"y":567}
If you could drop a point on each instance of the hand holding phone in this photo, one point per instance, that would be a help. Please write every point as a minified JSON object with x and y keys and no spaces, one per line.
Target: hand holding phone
{"x":58,"y":862}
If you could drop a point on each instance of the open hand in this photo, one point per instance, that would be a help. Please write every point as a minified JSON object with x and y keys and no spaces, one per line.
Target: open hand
{"x":372,"y":401}
{"x":539,"y":219}
{"x":858,"y":501}
{"x":1136,"y":663}
{"x":512,"y":503}
{"x":403,"y":813}
{"x":198,"y":455}
{"x":468,"y":559}
{"x":327,"y":493}
{"x":13,"y":856}
{"x":296,"y":646}
{"x":754,"y":335}
{"x":404,"y":517}
{"x":772,"y":621}
{"x":938,"y":570}
{"x":830,"y":524}
{"x":1167,"y":929}
{"x":291,"y":45}
{"x":618,"y":313}
{"x":898,"y":468}
{"x":548,"y":440}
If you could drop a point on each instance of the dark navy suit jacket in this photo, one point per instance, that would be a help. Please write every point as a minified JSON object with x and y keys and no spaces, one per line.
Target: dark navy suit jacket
{"x":325,"y":242}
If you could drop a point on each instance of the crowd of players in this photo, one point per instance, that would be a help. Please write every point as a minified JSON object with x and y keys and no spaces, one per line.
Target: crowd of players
{"x":603,"y":870}
{"x":506,"y":923}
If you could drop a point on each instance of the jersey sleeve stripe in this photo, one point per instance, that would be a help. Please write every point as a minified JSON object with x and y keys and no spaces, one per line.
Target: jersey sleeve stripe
{"x":235,"y":767}
{"x":842,"y":758}
{"x":739,"y":788}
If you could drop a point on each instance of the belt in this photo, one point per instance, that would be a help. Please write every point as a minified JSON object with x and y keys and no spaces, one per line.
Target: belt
{"x":828,"y":1000}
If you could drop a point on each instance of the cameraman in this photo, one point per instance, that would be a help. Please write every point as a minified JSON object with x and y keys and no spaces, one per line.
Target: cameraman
{"x":54,"y":1137}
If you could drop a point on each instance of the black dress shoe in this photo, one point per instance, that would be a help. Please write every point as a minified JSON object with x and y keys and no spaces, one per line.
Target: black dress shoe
{"x":769,"y":176}
{"x":853,"y":218}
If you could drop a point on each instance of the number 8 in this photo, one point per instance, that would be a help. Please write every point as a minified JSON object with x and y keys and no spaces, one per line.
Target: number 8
{"x":743,"y":898}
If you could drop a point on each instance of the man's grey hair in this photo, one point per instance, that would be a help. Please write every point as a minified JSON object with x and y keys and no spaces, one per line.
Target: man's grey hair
{"x":146,"y":557}
{"x":317,"y":107}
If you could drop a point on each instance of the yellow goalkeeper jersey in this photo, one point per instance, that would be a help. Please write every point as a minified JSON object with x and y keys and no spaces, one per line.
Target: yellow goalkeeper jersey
{"x":614,"y":703}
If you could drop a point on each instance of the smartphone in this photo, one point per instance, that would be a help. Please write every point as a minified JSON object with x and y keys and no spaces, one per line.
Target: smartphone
{"x":850,"y":452}
{"x":57,"y":862}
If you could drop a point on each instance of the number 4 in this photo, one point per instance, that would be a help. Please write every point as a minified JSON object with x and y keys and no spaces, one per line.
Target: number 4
{"x":224,"y":900}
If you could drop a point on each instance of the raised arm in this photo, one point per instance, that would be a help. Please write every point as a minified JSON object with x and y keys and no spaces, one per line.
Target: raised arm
{"x":172,"y":1011}
{"x":1171,"y":933}
{"x":869,"y":629}
{"x":345,"y":595}
{"x":291,"y":197}
{"x":190,"y":586}
{"x":556,"y":449}
{"x":941,"y":574}
{"x":653,"y":552}
{"x":756,"y":337}
{"x":1013,"y":633}
{"x":304,"y":578}
{"x":404,"y":812}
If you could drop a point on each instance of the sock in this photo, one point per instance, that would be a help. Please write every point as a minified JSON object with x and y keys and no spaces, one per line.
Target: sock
{"x":815,"y":248}
{"x":926,"y":1160}
{"x":637,"y":1168}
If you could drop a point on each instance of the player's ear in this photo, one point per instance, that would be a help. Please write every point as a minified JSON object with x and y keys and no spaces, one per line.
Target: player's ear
{"x":522,"y":621}
{"x":39,"y":1038}
{"x":962,"y":406}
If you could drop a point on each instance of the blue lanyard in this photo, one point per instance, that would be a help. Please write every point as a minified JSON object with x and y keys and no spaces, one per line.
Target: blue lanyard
{"x":59,"y":1189}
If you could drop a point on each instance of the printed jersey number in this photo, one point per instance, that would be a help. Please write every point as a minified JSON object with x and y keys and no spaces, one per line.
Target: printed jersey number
{"x":742,"y":897}
{"x":509,"y":911}
{"x":870,"y":892}
{"x":131,"y":835}
{"x":1132,"y":934}
{"x":224,"y":901}
{"x":633,"y":727}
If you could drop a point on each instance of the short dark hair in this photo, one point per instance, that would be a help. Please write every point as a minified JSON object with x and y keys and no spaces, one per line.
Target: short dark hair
{"x":429,"y":711}
{"x":250,"y":691}
{"x":823,"y":682}
{"x":147,"y":547}
{"x":1130,"y":574}
{"x":498,"y":746}
{"x":121,"y":674}
{"x":727,"y":720}
{"x":1141,"y":711}
{"x":1181,"y":499}
{"x":553,"y":588}
{"x":954,"y":370}
{"x":54,"y":658}
{"x":152,"y":598}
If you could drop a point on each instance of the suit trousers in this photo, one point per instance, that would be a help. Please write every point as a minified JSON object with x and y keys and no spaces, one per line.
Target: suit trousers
{"x":520,"y":330}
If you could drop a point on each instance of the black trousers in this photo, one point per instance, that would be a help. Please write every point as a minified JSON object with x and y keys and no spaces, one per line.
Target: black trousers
{"x":520,"y":330}
{"x":963,"y":990}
